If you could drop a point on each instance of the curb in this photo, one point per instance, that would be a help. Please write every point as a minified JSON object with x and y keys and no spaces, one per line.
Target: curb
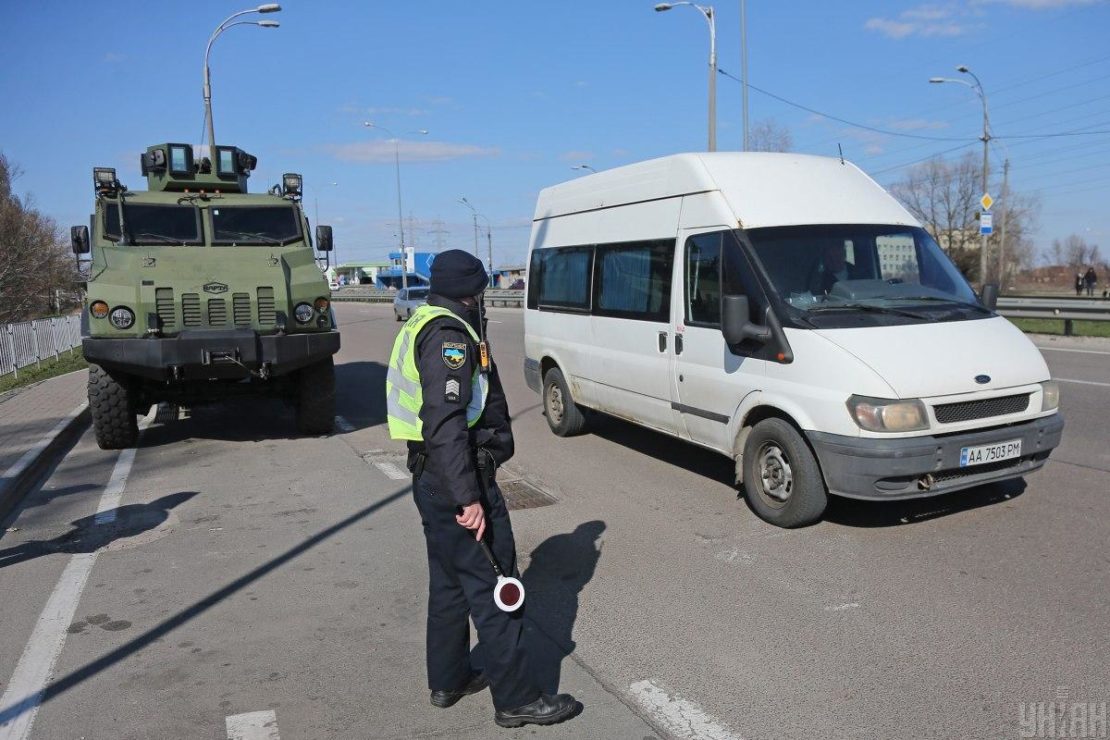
{"x":17,"y":480}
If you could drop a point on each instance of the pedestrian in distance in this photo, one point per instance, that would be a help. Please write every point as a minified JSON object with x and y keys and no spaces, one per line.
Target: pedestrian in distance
{"x":444,"y":397}
{"x":1091,"y":279}
{"x":1078,"y":284}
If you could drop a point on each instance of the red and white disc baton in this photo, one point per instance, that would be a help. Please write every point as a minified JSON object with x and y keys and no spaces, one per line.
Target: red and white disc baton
{"x":508,"y":594}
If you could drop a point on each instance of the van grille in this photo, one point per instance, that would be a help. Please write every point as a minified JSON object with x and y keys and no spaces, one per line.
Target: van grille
{"x":217,"y":312}
{"x":190,"y":309}
{"x":163,"y":304}
{"x":241,"y":309}
{"x":951,"y":413}
{"x":266,"y":315}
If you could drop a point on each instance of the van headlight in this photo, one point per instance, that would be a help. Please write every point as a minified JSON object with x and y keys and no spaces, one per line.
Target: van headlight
{"x":885,"y":415}
{"x":303,"y":313}
{"x":1050,"y":395}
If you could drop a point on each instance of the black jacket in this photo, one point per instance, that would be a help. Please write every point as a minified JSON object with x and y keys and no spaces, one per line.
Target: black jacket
{"x":450,"y":446}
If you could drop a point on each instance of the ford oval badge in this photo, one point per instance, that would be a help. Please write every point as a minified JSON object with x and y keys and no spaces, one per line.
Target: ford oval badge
{"x":982,"y":379}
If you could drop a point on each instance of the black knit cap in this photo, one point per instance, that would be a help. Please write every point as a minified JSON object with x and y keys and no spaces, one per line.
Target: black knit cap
{"x":458,"y":274}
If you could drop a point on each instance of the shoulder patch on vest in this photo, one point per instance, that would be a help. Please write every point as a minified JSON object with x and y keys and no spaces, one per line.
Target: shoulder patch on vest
{"x":454,"y":354}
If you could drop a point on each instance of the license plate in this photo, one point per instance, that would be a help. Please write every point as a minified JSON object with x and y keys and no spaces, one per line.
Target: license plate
{"x":984,"y":454}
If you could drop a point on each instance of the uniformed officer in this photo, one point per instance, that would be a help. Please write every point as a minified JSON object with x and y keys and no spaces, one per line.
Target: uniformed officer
{"x":445,"y":398}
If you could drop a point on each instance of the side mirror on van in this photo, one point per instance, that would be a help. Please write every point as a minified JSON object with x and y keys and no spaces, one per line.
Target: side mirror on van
{"x":323,"y":238}
{"x":79,"y":239}
{"x":736,"y":324}
{"x":989,"y":296}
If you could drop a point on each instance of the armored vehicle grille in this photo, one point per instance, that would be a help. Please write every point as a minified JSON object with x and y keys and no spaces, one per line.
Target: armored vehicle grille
{"x":163,"y":304}
{"x":266,"y":314}
{"x":217,"y":312}
{"x":241,"y":309}
{"x":950,"y":413}
{"x":190,"y":309}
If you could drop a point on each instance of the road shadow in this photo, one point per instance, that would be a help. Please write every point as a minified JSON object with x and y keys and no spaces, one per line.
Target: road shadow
{"x":360,"y":393}
{"x":663,"y":447}
{"x":91,"y":533}
{"x":869,"y":514}
{"x":559,"y":568}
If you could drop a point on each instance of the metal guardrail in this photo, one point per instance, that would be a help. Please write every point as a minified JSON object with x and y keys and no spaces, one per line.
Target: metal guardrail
{"x":31,"y":342}
{"x":1063,"y":309}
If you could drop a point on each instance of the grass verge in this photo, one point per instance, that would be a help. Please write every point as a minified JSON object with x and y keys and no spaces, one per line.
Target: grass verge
{"x":50,"y":368}
{"x":1056,"y":326}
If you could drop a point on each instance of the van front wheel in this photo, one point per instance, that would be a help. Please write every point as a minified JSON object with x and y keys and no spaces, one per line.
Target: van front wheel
{"x":782,"y":481}
{"x":563,"y":415}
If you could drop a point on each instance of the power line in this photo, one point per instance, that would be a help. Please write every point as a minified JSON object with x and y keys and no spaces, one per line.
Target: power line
{"x":924,"y":159}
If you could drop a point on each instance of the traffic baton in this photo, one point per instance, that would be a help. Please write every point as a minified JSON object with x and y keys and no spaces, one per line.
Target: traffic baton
{"x":508,"y":594}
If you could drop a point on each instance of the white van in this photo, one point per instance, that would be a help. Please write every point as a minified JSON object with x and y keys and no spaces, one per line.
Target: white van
{"x":785,"y":311}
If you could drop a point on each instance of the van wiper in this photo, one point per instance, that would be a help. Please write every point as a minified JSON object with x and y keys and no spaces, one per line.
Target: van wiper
{"x":160,"y":238}
{"x":955,"y":301}
{"x":251,"y":235}
{"x":867,"y":307}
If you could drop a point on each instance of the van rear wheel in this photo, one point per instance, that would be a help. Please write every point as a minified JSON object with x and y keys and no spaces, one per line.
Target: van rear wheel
{"x":563,"y":415}
{"x":782,"y":480}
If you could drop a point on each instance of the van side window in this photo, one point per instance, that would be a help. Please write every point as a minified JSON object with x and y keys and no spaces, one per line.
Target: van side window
{"x":564,"y":278}
{"x":703,"y":279}
{"x":634,"y":280}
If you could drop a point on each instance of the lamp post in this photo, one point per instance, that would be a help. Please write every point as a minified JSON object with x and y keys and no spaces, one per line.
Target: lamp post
{"x":400,"y":217}
{"x":489,"y":234}
{"x":267,"y":8}
{"x":986,"y":137}
{"x":710,"y":17}
{"x":583,"y":167}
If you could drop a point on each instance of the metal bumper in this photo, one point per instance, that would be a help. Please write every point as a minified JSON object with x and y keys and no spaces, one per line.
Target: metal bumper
{"x":890,"y":469}
{"x":208,"y":354}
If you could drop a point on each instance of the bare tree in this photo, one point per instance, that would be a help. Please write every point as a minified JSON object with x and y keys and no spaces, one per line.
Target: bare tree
{"x":770,"y":136}
{"x":37,"y":273}
{"x":1074,"y":251}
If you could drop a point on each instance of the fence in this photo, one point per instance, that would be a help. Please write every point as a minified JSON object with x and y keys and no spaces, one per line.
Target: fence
{"x":31,"y":342}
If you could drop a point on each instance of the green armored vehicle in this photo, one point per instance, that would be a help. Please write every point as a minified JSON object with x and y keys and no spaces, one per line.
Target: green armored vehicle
{"x":199,"y":291}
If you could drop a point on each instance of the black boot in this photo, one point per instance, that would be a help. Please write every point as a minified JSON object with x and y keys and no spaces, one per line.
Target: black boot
{"x":444,"y":699}
{"x":547,"y":710}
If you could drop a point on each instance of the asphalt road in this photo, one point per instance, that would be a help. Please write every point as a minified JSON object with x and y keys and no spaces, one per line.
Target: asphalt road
{"x":244,"y":572}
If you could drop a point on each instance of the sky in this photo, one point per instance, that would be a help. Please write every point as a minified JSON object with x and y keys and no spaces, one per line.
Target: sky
{"x":512,"y":95}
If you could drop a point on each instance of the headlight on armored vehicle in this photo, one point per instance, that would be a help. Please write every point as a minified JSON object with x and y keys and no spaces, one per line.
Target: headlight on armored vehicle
{"x":98,"y":309}
{"x":122,"y":317}
{"x":1050,"y":395}
{"x":883,"y":415}
{"x":303,"y":313}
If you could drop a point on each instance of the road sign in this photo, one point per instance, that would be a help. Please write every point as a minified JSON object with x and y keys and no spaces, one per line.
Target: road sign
{"x":986,"y":201}
{"x":986,"y":222}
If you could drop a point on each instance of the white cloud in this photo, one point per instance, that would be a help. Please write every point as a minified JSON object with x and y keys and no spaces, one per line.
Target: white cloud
{"x":922,"y":20}
{"x":396,"y":111}
{"x":916,"y":124}
{"x":576,"y":156}
{"x":381,"y":150}
{"x":1038,"y":4}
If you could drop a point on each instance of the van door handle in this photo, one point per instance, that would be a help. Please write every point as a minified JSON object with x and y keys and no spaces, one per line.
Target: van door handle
{"x":662,"y":341}
{"x":678,"y":344}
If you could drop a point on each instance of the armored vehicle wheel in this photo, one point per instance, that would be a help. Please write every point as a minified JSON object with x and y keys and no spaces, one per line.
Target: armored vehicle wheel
{"x":563,"y":415}
{"x":112,"y":404}
{"x":782,"y":480}
{"x":316,"y":398}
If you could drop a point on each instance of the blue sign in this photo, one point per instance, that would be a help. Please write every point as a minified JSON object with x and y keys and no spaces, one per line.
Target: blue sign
{"x":986,"y":223}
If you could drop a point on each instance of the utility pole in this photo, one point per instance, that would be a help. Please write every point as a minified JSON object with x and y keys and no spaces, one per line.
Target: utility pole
{"x":744,"y":66}
{"x":489,"y":245}
{"x":1002,"y":227}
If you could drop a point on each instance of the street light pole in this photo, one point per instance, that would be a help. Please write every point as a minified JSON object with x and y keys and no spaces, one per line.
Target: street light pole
{"x":474,"y":212}
{"x":711,"y":19}
{"x":400,"y":217}
{"x":209,"y":126}
{"x":744,"y":66}
{"x":986,"y":137}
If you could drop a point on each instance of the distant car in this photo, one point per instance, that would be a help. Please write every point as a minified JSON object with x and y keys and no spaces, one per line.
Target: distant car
{"x":517,"y":285}
{"x":408,"y":300}
{"x":333,"y":285}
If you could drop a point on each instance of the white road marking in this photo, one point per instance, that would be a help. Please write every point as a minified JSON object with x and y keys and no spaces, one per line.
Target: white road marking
{"x":29,"y":456}
{"x":344,"y":425}
{"x":1083,"y":382}
{"x":252,"y":726}
{"x":1080,"y":351}
{"x":20,"y":704}
{"x":682,"y":718}
{"x":842,"y":607}
{"x":391,"y":471}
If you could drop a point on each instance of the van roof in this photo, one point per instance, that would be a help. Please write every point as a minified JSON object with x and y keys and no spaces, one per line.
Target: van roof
{"x":761,"y":188}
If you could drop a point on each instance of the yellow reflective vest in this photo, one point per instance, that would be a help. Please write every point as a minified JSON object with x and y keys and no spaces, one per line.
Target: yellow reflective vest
{"x":404,"y":395}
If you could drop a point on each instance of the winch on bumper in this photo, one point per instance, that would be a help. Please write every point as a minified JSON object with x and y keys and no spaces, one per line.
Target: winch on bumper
{"x":912,"y":467}
{"x":209,"y":354}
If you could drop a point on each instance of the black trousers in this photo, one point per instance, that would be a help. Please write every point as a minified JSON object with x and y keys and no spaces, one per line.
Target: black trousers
{"x":460,"y":586}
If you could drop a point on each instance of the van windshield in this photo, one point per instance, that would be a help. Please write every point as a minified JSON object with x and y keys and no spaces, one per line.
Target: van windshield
{"x":824,"y":272}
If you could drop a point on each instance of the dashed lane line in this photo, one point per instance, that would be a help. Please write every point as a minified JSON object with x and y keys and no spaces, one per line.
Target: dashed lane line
{"x":682,"y":718}
{"x":21,"y":700}
{"x":253,"y":726}
{"x":1079,"y":351}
